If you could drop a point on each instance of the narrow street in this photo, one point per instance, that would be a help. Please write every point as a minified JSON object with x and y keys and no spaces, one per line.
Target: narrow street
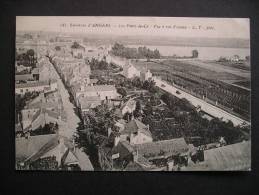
{"x":68,"y":128}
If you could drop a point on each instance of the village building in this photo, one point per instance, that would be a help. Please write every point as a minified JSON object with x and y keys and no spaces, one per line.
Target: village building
{"x":87,"y":103}
{"x":44,"y":109}
{"x":20,"y":68}
{"x":29,"y":77}
{"x":135,"y":132}
{"x":35,"y":148}
{"x":35,"y":73}
{"x":78,"y":52}
{"x":233,"y":157}
{"x":144,"y":76}
{"x":230,"y":157}
{"x":129,"y":71}
{"x":105,"y":92}
{"x":114,"y":155}
{"x":68,"y":39}
{"x":34,"y":119}
{"x":40,"y":86}
{"x":120,"y":124}
{"x":128,"y":107}
{"x":165,"y":155}
{"x":23,"y":78}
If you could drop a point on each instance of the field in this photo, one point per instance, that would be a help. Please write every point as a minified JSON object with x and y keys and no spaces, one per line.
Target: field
{"x":182,"y":66}
{"x":198,"y":68}
{"x":217,"y":86}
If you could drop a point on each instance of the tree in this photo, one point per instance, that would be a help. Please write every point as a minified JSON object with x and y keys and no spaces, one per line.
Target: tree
{"x":156,"y":54}
{"x":146,"y":85}
{"x":138,"y":106}
{"x":75,"y":45}
{"x":27,"y":36}
{"x":148,"y":109}
{"x":102,"y":120}
{"x":195,"y":53}
{"x":30,"y":52}
{"x":58,"y":48}
{"x":136,"y":82}
{"x":136,"y":112}
{"x":122,"y":91}
{"x":141,"y":52}
{"x":222,"y":59}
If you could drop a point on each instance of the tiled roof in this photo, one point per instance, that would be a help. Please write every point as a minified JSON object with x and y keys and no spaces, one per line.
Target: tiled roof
{"x":230,"y":157}
{"x":52,"y":114}
{"x":100,"y":88}
{"x":41,"y":105}
{"x":89,"y":102}
{"x":33,"y":84}
{"x":163,"y":148}
{"x":51,"y":145}
{"x":23,"y":77}
{"x":83,"y":160}
{"x":24,"y":148}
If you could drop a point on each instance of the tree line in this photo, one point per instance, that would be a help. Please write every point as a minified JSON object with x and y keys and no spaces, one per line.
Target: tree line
{"x":134,"y":53}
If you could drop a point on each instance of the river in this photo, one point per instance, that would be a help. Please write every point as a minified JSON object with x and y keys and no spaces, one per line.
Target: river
{"x":205,"y":53}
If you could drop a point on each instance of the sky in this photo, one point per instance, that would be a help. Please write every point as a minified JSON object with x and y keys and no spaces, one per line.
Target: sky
{"x":173,"y":26}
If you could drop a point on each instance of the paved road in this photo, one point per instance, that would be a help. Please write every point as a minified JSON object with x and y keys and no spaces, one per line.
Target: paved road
{"x":67,"y":128}
{"x":206,"y":107}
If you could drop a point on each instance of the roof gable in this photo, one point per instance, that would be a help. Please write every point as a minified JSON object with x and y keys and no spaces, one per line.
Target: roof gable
{"x":135,"y":126}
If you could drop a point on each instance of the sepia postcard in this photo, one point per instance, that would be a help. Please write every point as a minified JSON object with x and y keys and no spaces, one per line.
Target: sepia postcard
{"x":102,"y":93}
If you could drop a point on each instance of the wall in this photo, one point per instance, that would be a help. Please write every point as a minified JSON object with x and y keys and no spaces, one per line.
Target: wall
{"x":140,"y":139}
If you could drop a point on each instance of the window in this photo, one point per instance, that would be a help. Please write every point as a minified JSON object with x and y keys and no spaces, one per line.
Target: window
{"x":21,"y":90}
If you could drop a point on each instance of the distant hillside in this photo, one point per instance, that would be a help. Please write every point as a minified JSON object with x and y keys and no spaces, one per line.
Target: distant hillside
{"x":159,"y":40}
{"x":176,"y":41}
